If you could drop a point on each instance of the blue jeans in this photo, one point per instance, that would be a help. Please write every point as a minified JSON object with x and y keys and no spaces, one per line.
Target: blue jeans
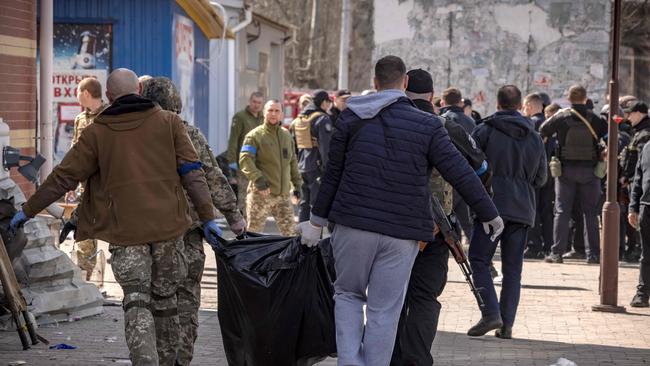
{"x":481,"y":250}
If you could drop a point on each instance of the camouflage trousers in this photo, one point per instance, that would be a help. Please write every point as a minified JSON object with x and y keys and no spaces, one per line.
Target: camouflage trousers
{"x":86,"y":258}
{"x":242,"y":188}
{"x":149,"y":275}
{"x":189,"y":295}
{"x":259,"y":207}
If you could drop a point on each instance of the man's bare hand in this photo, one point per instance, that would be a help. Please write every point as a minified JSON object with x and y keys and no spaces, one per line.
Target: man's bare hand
{"x":633,"y":219}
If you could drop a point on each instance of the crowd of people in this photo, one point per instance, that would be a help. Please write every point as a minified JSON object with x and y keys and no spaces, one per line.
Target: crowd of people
{"x":527,"y":178}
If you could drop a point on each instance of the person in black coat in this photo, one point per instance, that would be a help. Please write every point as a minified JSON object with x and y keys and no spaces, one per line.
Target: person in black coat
{"x":376,"y":190}
{"x":541,"y":234}
{"x":418,"y":321}
{"x":578,"y":131}
{"x":453,"y":109}
{"x":516,"y":153}
{"x":312,"y":158}
{"x":639,"y":217}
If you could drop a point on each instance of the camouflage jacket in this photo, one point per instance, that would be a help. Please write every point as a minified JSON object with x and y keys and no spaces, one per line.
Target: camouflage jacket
{"x":83,"y":120}
{"x":242,"y":123}
{"x":442,"y":191}
{"x":223,"y":198}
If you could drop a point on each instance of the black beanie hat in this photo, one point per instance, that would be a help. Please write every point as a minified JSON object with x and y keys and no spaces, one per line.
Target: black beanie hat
{"x":319,"y":97}
{"x":420,"y":81}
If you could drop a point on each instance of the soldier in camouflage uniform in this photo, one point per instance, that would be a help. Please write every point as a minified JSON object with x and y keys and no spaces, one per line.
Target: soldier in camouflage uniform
{"x":268,"y":158}
{"x":89,"y":95}
{"x":133,"y":202}
{"x":242,"y":123}
{"x":162,"y":91}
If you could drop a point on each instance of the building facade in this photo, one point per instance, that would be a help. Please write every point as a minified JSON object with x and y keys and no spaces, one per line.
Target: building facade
{"x":18,"y":69}
{"x":151,"y":37}
{"x":538,"y":45}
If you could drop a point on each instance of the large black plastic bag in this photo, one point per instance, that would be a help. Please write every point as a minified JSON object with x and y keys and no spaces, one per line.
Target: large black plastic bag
{"x":276,"y":304}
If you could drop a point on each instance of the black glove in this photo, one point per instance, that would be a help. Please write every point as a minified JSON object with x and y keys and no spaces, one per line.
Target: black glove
{"x":70,"y":225}
{"x":296,"y":194}
{"x":261,"y":184}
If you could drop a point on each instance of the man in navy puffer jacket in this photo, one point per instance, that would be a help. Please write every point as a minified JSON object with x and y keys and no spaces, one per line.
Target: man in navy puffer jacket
{"x":376,"y":190}
{"x":516,"y":153}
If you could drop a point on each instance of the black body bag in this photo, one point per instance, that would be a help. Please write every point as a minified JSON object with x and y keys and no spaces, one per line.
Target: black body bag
{"x":275,"y":299}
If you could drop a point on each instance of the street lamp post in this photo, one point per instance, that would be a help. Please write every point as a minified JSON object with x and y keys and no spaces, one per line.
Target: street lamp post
{"x":611,"y":209}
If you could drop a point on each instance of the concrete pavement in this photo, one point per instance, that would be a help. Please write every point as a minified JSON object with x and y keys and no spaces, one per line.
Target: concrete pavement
{"x":554,"y":320}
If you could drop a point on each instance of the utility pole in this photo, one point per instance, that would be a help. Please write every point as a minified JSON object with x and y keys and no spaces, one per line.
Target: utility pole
{"x":46,"y":51}
{"x":344,"y":50}
{"x":611,"y":209}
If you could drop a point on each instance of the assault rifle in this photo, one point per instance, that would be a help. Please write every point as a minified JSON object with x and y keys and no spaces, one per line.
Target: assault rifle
{"x":15,"y":300}
{"x":452,"y":240}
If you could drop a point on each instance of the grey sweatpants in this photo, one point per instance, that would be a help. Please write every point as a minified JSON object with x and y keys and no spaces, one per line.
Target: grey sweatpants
{"x":371,"y":269}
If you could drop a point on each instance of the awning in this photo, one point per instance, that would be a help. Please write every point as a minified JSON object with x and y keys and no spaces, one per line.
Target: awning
{"x":205,"y":17}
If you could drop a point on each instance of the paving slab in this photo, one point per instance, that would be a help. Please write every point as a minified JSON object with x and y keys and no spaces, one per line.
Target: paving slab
{"x":554,"y":320}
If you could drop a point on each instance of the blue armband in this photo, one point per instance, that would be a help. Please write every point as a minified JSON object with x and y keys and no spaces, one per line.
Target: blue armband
{"x":188,"y":167}
{"x":482,"y":169}
{"x":249,"y":149}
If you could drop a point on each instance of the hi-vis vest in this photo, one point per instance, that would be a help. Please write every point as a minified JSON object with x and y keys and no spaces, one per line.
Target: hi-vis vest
{"x":302,"y":131}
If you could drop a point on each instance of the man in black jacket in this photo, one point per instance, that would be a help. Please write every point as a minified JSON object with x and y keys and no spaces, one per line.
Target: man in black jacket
{"x":452,"y":109}
{"x":541,"y":234}
{"x":312,"y":131}
{"x":637,"y":114}
{"x":376,"y":190}
{"x":638,"y":122}
{"x":516,"y":153}
{"x":639,"y":217}
{"x":418,"y":321}
{"x":579,"y":154}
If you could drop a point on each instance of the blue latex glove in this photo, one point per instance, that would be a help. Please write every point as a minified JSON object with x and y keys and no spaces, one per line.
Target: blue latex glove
{"x":212,"y":231}
{"x":234,"y":167}
{"x":17,"y":221}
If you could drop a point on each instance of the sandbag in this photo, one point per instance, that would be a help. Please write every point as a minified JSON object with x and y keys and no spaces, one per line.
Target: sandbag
{"x":275,"y":300}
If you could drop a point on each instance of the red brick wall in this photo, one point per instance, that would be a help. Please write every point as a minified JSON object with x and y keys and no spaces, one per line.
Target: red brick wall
{"x":18,"y":76}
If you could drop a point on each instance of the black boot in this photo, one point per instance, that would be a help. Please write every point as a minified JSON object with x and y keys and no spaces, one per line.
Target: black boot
{"x":485,"y":325}
{"x":640,"y":300}
{"x":505,"y":332}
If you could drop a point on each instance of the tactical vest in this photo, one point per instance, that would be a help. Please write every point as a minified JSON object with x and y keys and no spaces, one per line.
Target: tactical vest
{"x":302,"y":131}
{"x":630,"y":155}
{"x":579,"y":144}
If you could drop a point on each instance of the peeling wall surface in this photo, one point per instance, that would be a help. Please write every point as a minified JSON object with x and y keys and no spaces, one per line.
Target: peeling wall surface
{"x":477,"y":46}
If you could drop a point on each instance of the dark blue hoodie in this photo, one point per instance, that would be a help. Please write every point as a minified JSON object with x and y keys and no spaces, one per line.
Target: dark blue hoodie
{"x":381,"y":156}
{"x":516,"y":153}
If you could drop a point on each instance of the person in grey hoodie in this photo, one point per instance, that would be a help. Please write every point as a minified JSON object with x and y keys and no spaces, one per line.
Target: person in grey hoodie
{"x":376,"y":191}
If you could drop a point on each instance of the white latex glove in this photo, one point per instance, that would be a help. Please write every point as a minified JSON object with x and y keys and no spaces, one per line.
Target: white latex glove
{"x":310,"y":234}
{"x":494,"y":227}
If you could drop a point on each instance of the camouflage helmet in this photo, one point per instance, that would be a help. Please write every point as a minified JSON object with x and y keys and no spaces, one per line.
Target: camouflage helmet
{"x":162,"y":90}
